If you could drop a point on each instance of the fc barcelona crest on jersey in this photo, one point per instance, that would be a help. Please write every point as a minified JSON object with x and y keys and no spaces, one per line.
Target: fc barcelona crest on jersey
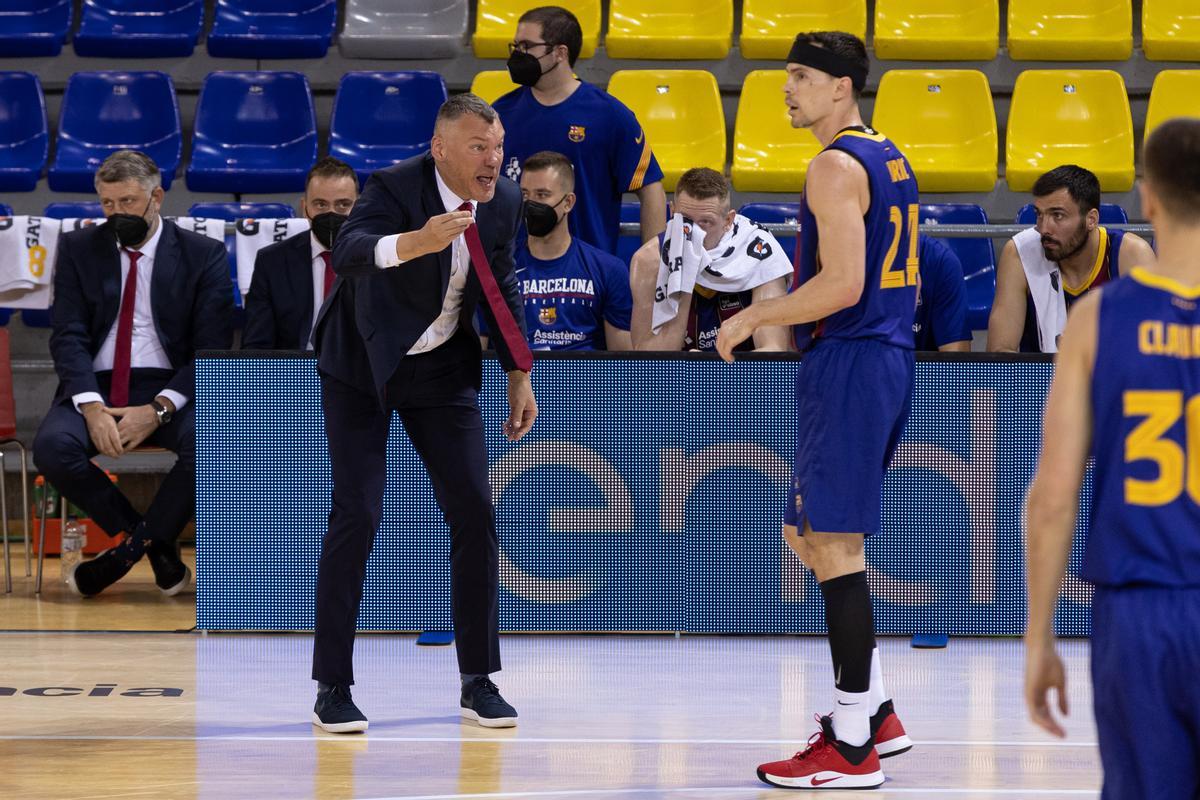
{"x":576,"y":133}
{"x":548,"y":315}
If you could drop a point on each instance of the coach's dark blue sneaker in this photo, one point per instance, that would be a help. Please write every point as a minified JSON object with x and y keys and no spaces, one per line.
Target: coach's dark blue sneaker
{"x":335,"y":710}
{"x":481,"y":701}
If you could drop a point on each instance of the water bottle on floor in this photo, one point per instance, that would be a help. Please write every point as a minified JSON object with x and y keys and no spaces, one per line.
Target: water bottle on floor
{"x":74,"y":537}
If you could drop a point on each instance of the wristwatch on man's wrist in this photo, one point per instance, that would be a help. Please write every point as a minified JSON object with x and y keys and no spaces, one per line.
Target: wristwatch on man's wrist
{"x":163,"y":413}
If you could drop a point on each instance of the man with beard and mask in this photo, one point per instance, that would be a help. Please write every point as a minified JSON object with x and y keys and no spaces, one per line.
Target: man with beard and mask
{"x":553,"y":110}
{"x":1045,"y":270}
{"x":576,"y":295}
{"x":292,"y":278}
{"x":710,"y":264}
{"x":134,"y":299}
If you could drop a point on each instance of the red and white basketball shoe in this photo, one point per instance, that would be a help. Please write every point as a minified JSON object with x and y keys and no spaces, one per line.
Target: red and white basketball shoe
{"x":888,"y":733}
{"x":826,"y":764}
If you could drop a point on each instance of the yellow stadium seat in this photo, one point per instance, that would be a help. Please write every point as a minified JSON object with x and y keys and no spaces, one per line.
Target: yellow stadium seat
{"x":937,"y":30}
{"x":770,"y":26}
{"x":669,"y":29}
{"x":1176,"y":93}
{"x":1171,"y":30}
{"x":1070,"y":30}
{"x":496,"y":23}
{"x":945,"y":124}
{"x":680,"y":110}
{"x":1070,"y":117}
{"x":492,"y":84}
{"x":769,"y":155}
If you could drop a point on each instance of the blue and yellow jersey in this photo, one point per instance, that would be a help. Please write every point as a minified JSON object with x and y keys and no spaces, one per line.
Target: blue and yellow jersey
{"x":885,"y":311}
{"x":1145,"y":520}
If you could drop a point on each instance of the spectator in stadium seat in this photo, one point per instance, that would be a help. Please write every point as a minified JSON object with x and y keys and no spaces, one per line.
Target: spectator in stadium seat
{"x":941,"y":318}
{"x":1043,"y":271}
{"x":721,"y":262}
{"x":134,"y":299}
{"x":576,"y":295}
{"x":293,"y":277}
{"x":553,"y":110}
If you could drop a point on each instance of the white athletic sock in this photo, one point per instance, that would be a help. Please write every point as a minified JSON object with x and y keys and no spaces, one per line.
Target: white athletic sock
{"x":852,"y":719}
{"x":879,"y":694}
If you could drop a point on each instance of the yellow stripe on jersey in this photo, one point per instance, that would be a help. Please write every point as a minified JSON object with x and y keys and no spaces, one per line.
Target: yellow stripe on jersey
{"x":874,"y":137}
{"x":1101,"y":251}
{"x":1154,"y":281}
{"x":639,"y":174}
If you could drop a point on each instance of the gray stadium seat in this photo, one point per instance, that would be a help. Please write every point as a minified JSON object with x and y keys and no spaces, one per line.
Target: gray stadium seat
{"x":413,"y":29}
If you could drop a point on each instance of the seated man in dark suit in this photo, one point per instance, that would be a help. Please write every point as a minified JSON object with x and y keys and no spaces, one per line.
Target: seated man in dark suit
{"x":292,"y":277}
{"x":134,"y":299}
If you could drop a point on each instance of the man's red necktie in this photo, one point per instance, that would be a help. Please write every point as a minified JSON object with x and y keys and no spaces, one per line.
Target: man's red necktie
{"x":509,"y":329}
{"x":329,"y":273}
{"x":118,"y":396}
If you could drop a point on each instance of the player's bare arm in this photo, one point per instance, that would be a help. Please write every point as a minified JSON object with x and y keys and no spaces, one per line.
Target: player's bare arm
{"x":838,"y":194}
{"x":1052,"y":507}
{"x":1007,"y":320}
{"x":653,"y":216}
{"x":771,"y":338}
{"x":1135,"y":252}
{"x":643,"y":277}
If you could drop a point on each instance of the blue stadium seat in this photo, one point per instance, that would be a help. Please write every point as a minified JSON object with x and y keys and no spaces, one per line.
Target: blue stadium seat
{"x":139,"y":28}
{"x":103,"y":112}
{"x":34,"y":27}
{"x":35,"y":317}
{"x":977,"y":256}
{"x":233,"y":211}
{"x":272,"y":28}
{"x":380,"y":118}
{"x":775,"y":213}
{"x":255,"y":132}
{"x":24,"y":141}
{"x":628,"y":243}
{"x":5,"y":210}
{"x":1110,"y":214}
{"x":88,"y":210}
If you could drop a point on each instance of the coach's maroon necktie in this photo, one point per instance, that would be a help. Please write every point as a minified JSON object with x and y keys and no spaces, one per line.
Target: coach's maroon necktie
{"x":509,"y":329}
{"x":118,"y":396}
{"x":329,"y":273}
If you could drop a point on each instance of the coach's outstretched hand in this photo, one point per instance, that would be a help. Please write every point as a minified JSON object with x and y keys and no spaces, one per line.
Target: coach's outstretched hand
{"x":522,"y":406}
{"x":1043,"y":672}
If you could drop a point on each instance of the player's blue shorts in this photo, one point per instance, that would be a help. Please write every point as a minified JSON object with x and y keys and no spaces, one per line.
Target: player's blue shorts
{"x":1146,"y":691}
{"x":852,"y":400}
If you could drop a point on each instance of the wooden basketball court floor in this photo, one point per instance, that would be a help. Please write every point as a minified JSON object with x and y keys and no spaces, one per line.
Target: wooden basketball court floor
{"x":114,"y":697}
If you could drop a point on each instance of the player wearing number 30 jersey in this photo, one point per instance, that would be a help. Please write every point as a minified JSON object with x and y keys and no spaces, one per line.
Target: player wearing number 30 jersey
{"x":1127,"y":391}
{"x":853,"y":307}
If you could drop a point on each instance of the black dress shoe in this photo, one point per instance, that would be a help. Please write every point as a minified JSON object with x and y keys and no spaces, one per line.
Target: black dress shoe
{"x":171,"y":575}
{"x":92,"y":577}
{"x":481,"y":701}
{"x":335,"y":710}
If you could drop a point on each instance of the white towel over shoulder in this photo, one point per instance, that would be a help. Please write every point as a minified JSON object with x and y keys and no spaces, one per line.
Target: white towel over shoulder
{"x":255,"y":234}
{"x":1045,"y":289}
{"x":746,"y":257}
{"x":28,"y":247}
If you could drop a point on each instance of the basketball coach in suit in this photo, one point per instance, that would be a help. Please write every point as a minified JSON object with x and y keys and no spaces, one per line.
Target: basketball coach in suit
{"x":429,"y":241}
{"x":134,"y":299}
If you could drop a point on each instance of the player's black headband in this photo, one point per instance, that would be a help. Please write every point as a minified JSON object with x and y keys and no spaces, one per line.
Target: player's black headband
{"x":810,"y":55}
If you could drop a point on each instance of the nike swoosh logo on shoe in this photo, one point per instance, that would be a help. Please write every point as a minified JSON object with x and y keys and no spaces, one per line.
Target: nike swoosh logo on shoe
{"x":820,"y":782}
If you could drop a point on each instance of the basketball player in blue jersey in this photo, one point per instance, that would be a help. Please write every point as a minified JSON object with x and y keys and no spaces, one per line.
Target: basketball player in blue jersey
{"x":857,"y":274}
{"x":1139,"y":416}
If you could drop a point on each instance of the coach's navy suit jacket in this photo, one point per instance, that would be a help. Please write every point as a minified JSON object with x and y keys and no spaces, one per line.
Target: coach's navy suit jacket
{"x":374,"y":316}
{"x":279,"y":306}
{"x":191,"y":299}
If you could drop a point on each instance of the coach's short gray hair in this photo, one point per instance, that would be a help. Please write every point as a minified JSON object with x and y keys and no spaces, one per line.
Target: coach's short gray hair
{"x":125,"y":165}
{"x":460,"y":105}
